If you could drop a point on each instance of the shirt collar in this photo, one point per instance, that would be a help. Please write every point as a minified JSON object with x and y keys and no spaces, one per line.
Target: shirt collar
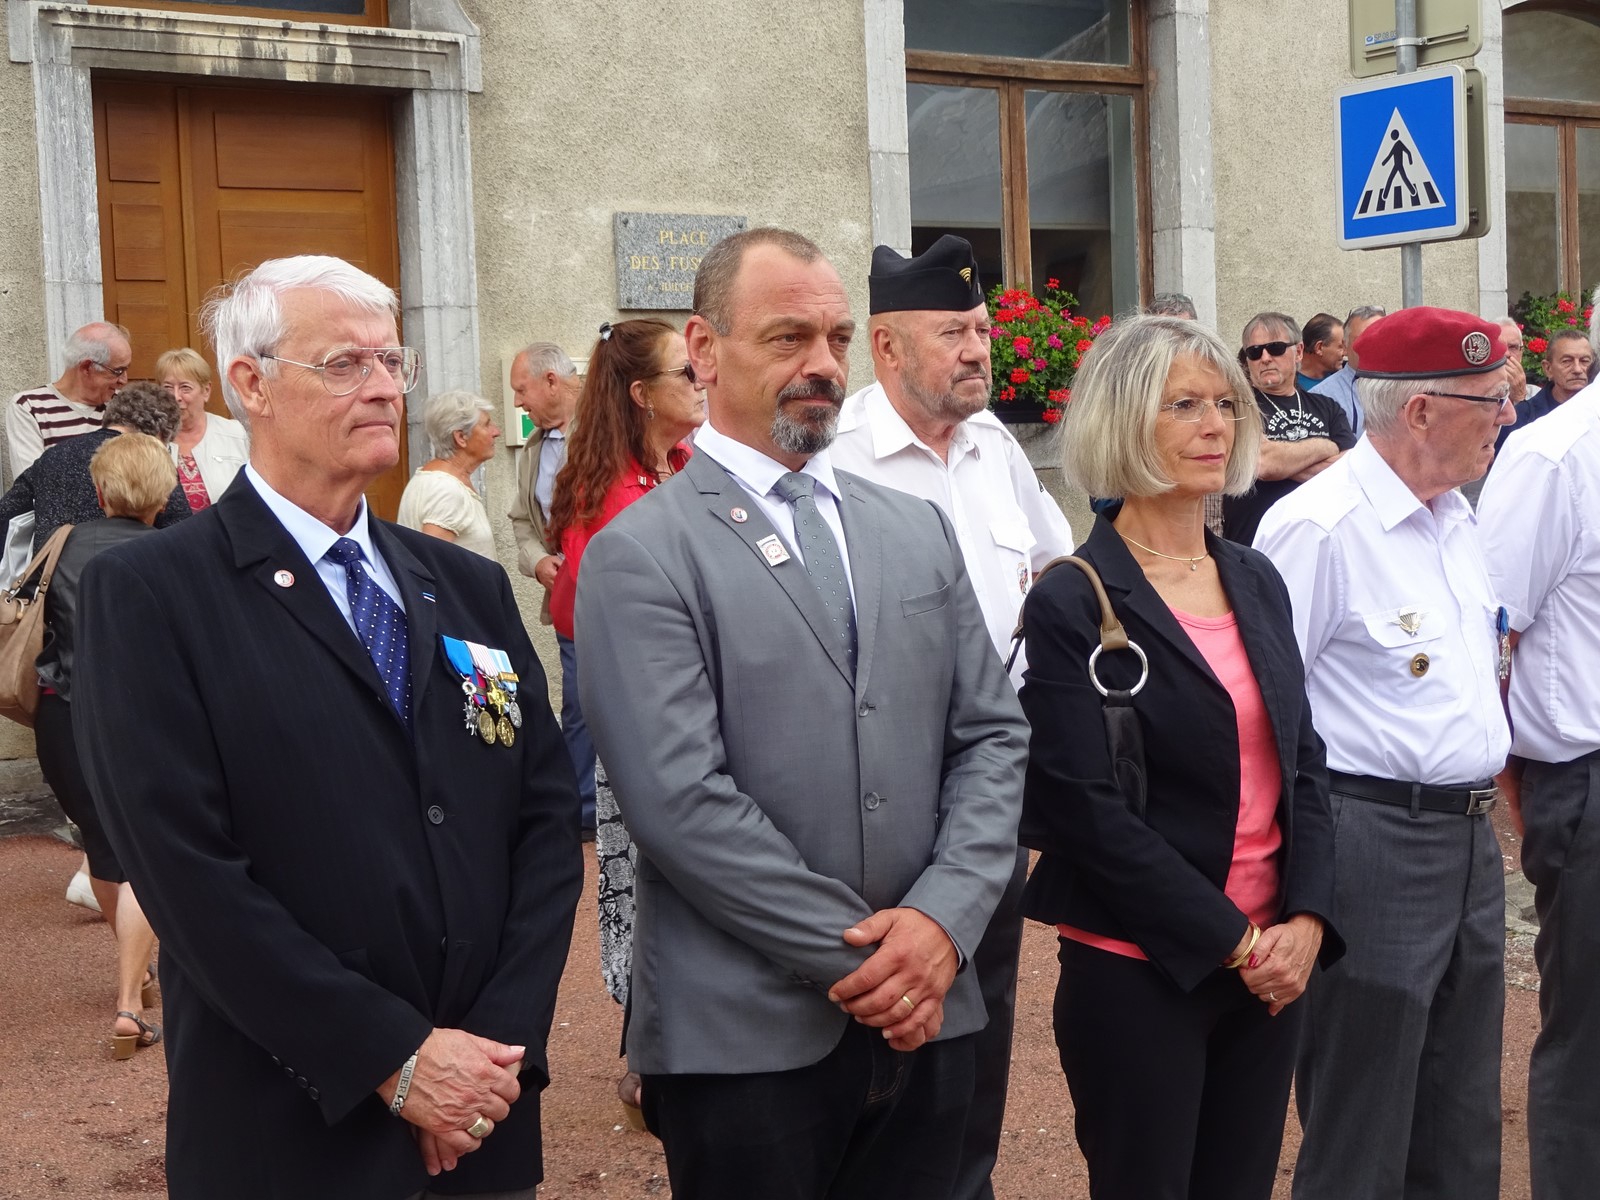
{"x":891,"y":434}
{"x":754,"y":469}
{"x":1389,"y":496}
{"x":313,"y":537}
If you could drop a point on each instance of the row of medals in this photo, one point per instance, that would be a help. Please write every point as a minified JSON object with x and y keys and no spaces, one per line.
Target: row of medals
{"x":492,"y":712}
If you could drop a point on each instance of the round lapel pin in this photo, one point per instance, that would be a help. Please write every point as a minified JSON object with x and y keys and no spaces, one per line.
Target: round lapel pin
{"x":284,"y":579}
{"x":739,"y":516}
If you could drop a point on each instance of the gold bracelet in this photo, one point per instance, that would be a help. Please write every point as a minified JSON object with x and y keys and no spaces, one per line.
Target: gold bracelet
{"x":1244,"y":955}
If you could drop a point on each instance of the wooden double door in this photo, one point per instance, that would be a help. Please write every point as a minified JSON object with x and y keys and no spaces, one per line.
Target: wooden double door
{"x":198,"y":184}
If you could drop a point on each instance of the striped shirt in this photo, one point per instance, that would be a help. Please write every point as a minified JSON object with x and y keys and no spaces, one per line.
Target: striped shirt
{"x":42,"y":417}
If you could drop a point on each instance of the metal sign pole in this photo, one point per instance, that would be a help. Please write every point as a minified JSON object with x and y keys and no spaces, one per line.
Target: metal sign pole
{"x":1405,"y":59}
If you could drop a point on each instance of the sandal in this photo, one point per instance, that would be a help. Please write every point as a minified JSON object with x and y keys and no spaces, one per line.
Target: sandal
{"x":148,"y":990}
{"x":124,"y":1044}
{"x":629,"y":1088}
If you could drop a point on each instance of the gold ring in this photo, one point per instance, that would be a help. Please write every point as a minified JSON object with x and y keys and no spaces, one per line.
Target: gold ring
{"x":479,"y":1128}
{"x":909,"y":1003}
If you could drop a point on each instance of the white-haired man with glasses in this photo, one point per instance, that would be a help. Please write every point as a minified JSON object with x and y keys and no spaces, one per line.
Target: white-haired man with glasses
{"x":1302,"y":433}
{"x":1398,"y":1081}
{"x":97,"y":357}
{"x":327,"y":754}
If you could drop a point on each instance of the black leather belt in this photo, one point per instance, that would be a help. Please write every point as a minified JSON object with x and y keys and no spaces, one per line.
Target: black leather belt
{"x":1470,"y":799}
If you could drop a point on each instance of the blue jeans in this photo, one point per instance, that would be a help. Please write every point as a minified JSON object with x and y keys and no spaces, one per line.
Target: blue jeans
{"x":580,"y":746}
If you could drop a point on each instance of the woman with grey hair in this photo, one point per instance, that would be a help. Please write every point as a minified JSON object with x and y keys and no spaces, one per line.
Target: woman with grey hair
{"x":1190,"y":909}
{"x":440,"y":499}
{"x":57,"y":488}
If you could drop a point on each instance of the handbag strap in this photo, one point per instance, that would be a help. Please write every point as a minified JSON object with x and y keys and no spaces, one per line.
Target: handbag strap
{"x":43,"y":562}
{"x":1112,"y":635}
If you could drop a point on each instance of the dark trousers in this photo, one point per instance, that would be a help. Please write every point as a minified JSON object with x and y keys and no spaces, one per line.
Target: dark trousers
{"x":62,"y":769}
{"x":864,"y":1123}
{"x":995,"y":961}
{"x":1561,"y":857}
{"x":1178,"y":1096}
{"x":575,"y":731}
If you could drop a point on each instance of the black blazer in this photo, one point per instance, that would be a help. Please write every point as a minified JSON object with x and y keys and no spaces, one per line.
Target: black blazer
{"x":61,"y":601}
{"x":1159,"y":882}
{"x":327,"y":889}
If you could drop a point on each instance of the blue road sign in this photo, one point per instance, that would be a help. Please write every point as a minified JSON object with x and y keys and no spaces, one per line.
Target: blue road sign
{"x":1400,"y":159}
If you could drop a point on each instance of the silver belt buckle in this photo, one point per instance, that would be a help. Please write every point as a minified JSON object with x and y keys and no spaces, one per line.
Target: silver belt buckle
{"x":1481,"y":800}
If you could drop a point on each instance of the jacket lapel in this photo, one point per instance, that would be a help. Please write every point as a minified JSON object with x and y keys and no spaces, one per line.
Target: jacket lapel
{"x":262,"y":548}
{"x":1131,"y":592}
{"x":722,"y":495}
{"x":861,"y":535}
{"x":1250,"y":594}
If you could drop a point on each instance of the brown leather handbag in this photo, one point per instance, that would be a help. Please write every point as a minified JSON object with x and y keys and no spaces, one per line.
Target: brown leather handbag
{"x":22,"y":631}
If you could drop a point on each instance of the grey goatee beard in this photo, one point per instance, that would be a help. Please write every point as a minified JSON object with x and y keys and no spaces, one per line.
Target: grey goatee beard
{"x":813,"y":434}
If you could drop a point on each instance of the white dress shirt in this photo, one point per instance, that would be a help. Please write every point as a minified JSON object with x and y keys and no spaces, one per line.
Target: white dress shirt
{"x":1540,"y":513}
{"x":1360,"y":554}
{"x":315,"y":540}
{"x":758,"y":475}
{"x":1007,"y":525}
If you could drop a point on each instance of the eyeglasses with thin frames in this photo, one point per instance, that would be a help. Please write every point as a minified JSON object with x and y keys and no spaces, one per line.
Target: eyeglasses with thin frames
{"x":1499,"y":402}
{"x":114,"y":372}
{"x":1192,"y":408}
{"x":344,"y":370}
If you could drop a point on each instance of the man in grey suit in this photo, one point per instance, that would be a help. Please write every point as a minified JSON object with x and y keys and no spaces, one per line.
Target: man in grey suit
{"x":820,"y":759}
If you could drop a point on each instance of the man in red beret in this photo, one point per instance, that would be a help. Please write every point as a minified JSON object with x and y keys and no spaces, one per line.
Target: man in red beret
{"x":1399,"y":1077}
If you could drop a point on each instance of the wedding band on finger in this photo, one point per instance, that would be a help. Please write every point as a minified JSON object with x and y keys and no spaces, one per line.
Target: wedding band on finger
{"x":480,"y":1128}
{"x":907,"y":1001}
{"x":1273,"y":996}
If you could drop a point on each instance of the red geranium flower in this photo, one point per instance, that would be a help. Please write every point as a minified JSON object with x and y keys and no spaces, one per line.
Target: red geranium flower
{"x":1020,"y":375}
{"x":1008,"y":393}
{"x":1083,"y":346}
{"x":1022,"y":345}
{"x":1039,"y":364}
{"x":1052,"y":415}
{"x":1538,"y":345}
{"x":1566,"y":306}
{"x":1052,"y":284}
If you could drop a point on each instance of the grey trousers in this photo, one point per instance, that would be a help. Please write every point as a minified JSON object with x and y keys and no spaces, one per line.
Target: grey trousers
{"x":1398,"y":1080}
{"x":1561,"y":858}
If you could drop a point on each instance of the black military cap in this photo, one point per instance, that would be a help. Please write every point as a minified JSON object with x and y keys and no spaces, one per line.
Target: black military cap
{"x":943,"y":278}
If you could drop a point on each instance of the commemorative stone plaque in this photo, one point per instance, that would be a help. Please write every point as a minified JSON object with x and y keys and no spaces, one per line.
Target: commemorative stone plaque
{"x":658,"y":254}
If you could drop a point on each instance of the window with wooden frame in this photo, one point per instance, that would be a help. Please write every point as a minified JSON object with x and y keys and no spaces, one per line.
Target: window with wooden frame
{"x":336,"y":12}
{"x":1028,"y":137}
{"x":1552,"y":148}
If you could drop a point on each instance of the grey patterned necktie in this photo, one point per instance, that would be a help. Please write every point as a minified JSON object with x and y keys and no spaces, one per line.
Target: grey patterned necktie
{"x":824,"y":563}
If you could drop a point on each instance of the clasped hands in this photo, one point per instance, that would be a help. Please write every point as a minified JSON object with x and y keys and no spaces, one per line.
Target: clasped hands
{"x":1280,"y":963}
{"x":459,"y":1077}
{"x":900,"y":989}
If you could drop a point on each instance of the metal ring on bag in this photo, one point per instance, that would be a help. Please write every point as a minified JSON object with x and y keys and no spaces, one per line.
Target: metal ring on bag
{"x":1144,"y":670}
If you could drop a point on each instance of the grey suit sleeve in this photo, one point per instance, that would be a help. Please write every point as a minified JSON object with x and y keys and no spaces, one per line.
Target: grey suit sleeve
{"x":980,"y":798}
{"x":650,"y":704}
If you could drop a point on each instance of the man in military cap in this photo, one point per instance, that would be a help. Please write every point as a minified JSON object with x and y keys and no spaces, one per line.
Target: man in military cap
{"x":1399,"y":1077}
{"x":924,"y":428}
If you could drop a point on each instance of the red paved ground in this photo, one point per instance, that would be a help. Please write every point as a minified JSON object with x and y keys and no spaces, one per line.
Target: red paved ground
{"x":76,"y":1126}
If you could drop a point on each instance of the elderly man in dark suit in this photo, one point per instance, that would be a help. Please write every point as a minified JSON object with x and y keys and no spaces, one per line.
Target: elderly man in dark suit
{"x":820,"y":760}
{"x":364,"y":904}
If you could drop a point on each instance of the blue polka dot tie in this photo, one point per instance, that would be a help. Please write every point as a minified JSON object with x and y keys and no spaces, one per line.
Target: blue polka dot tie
{"x":823,"y":561}
{"x":380,"y":624}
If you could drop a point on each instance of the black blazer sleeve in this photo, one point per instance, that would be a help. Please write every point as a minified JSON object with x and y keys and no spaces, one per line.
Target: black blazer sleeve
{"x":1073,"y":810}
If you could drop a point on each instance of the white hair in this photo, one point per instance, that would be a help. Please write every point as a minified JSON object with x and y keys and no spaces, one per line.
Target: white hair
{"x":92,"y":343}
{"x":1382,"y":399}
{"x":450,"y":413}
{"x":547,"y":356}
{"x":245,"y":320}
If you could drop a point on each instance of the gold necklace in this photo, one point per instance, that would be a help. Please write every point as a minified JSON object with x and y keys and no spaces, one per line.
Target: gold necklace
{"x":1194,"y":562}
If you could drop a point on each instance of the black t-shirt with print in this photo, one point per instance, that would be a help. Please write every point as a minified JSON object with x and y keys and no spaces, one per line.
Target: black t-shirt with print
{"x":1286,"y":419}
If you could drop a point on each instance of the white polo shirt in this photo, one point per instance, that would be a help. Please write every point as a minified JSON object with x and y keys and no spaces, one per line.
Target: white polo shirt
{"x":1540,"y":513}
{"x":1007,"y":525}
{"x":1367,"y":563}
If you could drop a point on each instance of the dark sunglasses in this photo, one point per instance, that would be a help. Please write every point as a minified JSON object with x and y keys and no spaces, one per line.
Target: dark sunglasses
{"x":1254,"y":353}
{"x":687,"y":371}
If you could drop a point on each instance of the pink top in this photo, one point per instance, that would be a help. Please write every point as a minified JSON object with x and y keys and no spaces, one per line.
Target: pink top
{"x":1253,"y":877}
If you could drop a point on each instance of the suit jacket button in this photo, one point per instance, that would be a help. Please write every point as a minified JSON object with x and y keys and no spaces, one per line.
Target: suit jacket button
{"x":436,"y":814}
{"x":864,"y":709}
{"x":872,"y":801}
{"x":289,"y":1071}
{"x":301,"y":1080}
{"x":314,"y":1094}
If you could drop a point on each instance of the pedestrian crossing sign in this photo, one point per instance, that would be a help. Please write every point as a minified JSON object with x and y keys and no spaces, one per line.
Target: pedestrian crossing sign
{"x":1401,"y":159}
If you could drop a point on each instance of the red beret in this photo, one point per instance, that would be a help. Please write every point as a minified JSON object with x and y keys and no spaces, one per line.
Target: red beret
{"x":1428,"y":343}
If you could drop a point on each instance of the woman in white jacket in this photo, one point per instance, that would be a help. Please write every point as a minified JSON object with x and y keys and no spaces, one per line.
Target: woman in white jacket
{"x":208,"y":450}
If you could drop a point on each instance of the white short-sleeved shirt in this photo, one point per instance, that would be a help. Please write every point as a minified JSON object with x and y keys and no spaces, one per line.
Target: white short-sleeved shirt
{"x":1007,"y":525}
{"x":439,"y":498}
{"x":1540,"y":514}
{"x":1366,"y":562}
